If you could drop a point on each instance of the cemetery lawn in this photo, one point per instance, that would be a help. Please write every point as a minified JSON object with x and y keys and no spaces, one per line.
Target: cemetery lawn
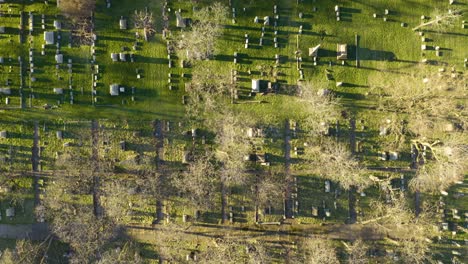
{"x":385,"y":50}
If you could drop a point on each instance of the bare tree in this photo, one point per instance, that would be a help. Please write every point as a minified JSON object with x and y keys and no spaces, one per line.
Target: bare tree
{"x":441,"y":20}
{"x":321,"y":107}
{"x":83,"y":31}
{"x":200,"y":182}
{"x":26,"y":251}
{"x":200,"y":42}
{"x":128,"y":253}
{"x":335,"y":162}
{"x":232,"y":145}
{"x":144,"y":20}
{"x":267,"y":190}
{"x":314,"y":250}
{"x":207,"y":89}
{"x":227,"y":249}
{"x":442,"y":163}
{"x":70,"y":206}
{"x":409,"y":233}
{"x":428,"y":100}
{"x":357,"y":252}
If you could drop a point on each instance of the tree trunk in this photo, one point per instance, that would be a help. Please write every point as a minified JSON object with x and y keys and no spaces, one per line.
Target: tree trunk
{"x":95,"y":162}
{"x":159,"y":144}
{"x":257,"y":218}
{"x":35,"y":162}
{"x":145,"y":34}
{"x":352,"y":135}
{"x":223,"y":202}
{"x":352,"y":190}
{"x":288,"y":212}
{"x":352,"y":205}
{"x":417,"y":194}
{"x":417,"y":202}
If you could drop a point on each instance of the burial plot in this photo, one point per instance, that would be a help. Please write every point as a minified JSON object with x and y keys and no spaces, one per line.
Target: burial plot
{"x":341,"y":52}
{"x":58,"y":90}
{"x":10,"y":212}
{"x":5,"y":91}
{"x":59,"y":58}
{"x":123,"y":23}
{"x":114,"y":89}
{"x":180,"y":21}
{"x":49,"y":37}
{"x":57,"y":25}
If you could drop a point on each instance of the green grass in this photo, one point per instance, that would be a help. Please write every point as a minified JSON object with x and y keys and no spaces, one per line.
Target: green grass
{"x":121,"y":117}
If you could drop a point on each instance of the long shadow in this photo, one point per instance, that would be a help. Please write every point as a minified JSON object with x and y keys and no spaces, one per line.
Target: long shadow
{"x":368,"y":54}
{"x":326,"y":53}
{"x":447,"y":33}
{"x":350,"y":10}
{"x":151,"y":60}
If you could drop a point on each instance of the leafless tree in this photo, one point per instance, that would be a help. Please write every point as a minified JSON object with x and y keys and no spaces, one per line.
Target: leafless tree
{"x":442,"y":163}
{"x":357,"y":252}
{"x":232,"y":250}
{"x":334,"y":161}
{"x":409,"y":233}
{"x":314,"y":250}
{"x":199,"y":183}
{"x":267,"y":190}
{"x":232,"y":145}
{"x":128,"y":253}
{"x":321,"y":107}
{"x":427,"y":99}
{"x":207,"y":89}
{"x":144,"y":20}
{"x":83,"y":31}
{"x":441,"y":20}
{"x":26,"y":251}
{"x":200,"y":42}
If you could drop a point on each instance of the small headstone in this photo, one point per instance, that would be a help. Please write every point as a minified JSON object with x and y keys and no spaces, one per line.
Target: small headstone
{"x":327,"y":186}
{"x":314,"y":211}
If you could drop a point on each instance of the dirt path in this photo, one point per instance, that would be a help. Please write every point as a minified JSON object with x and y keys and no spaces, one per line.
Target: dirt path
{"x":289,"y":232}
{"x":35,"y":159}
